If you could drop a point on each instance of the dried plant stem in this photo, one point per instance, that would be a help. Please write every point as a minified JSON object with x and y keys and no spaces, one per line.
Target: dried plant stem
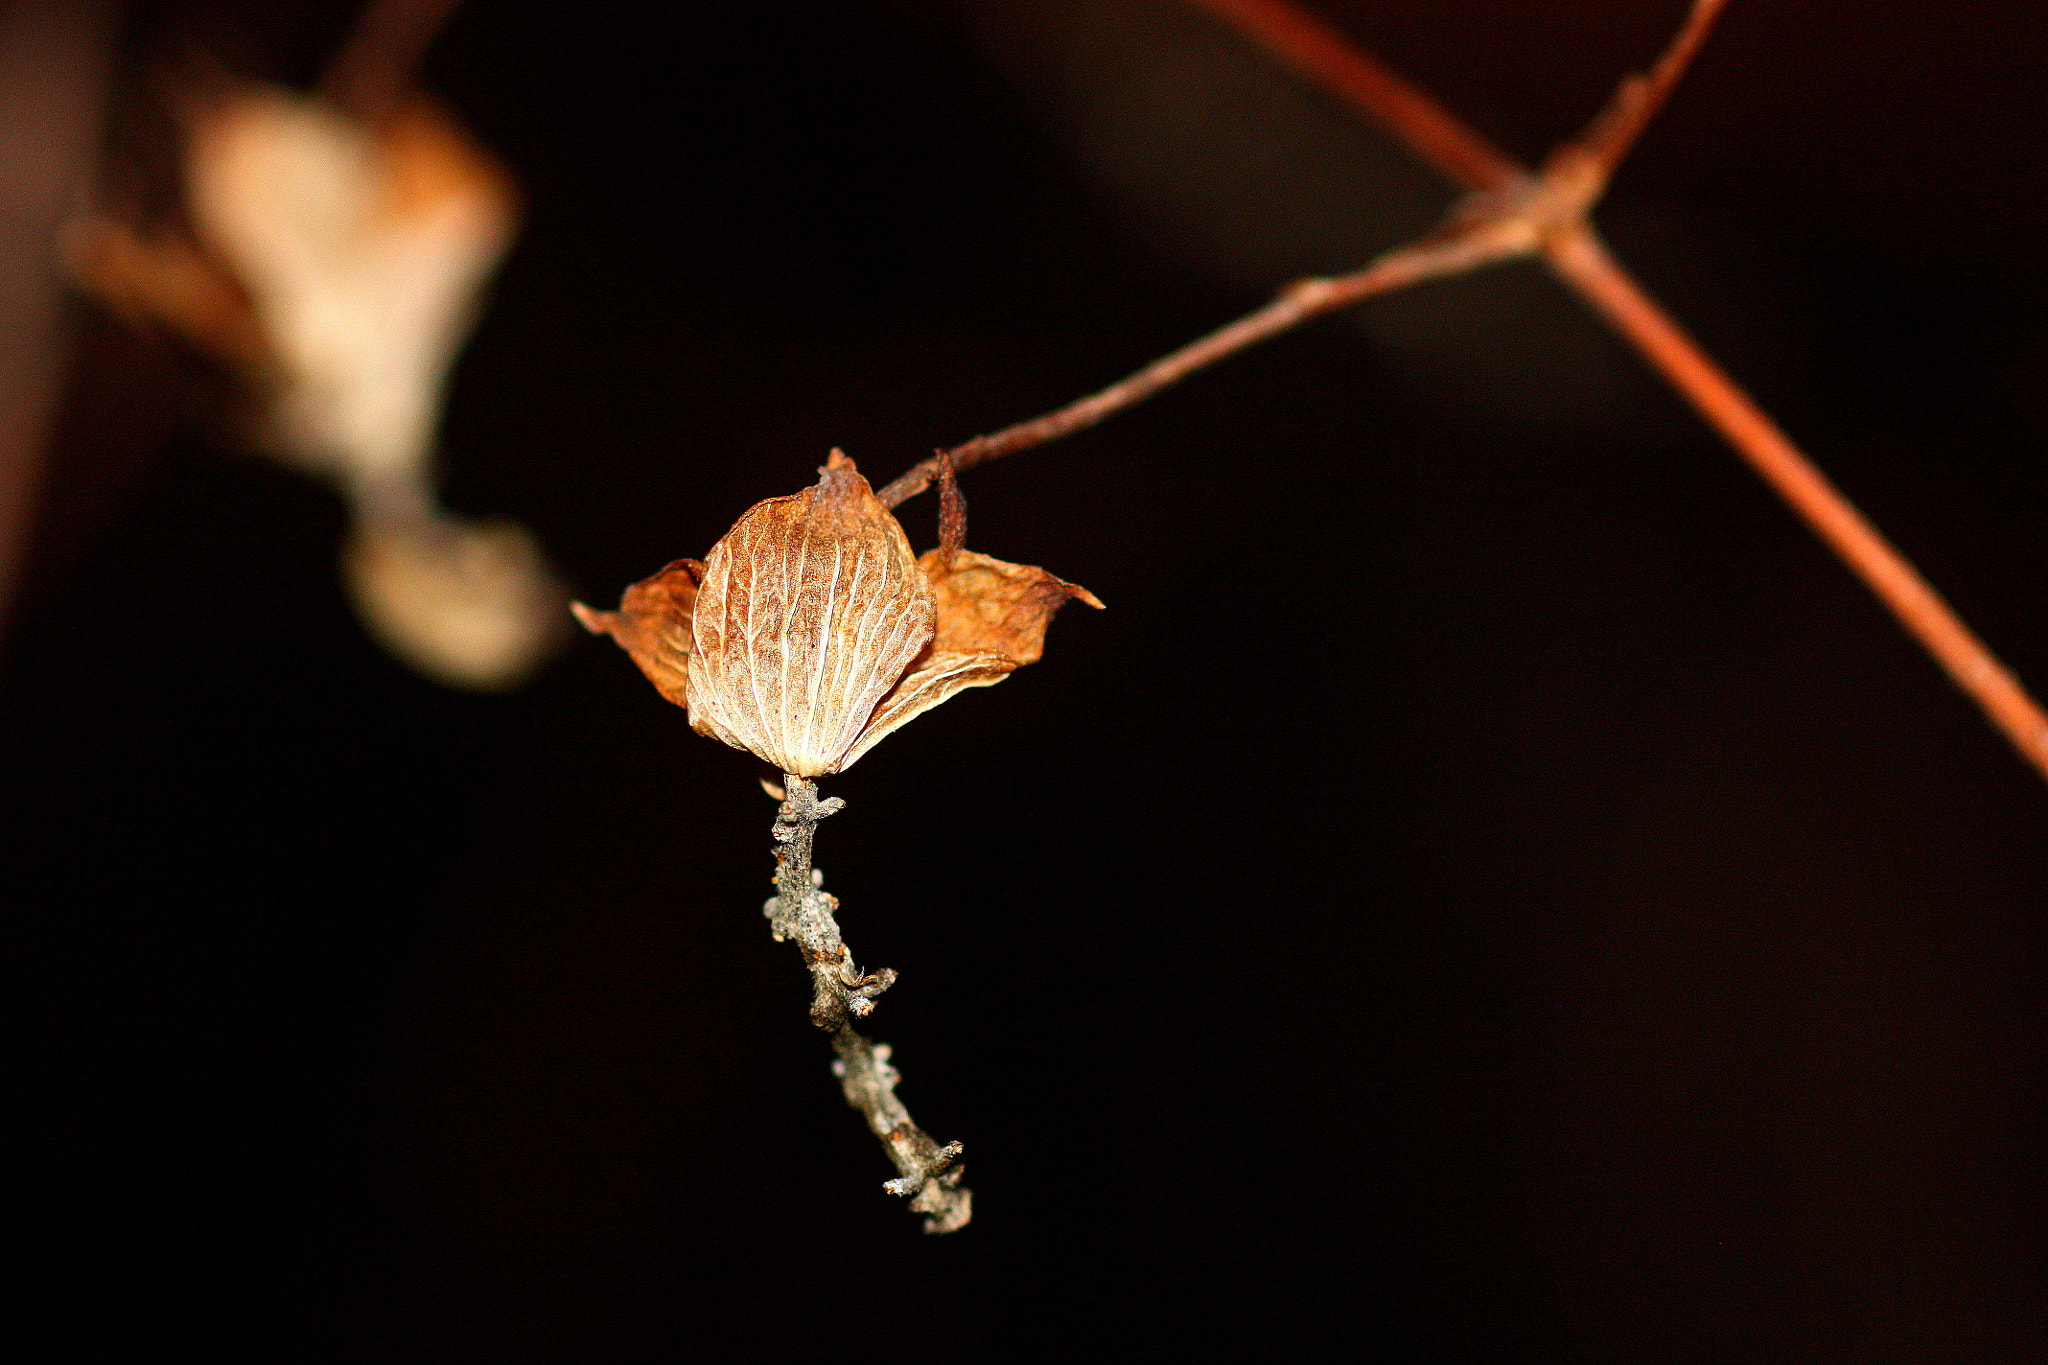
{"x":1638,"y":98}
{"x":376,"y":63}
{"x":1453,"y":252}
{"x":1582,"y":261}
{"x":1509,"y":215}
{"x":1576,"y":255}
{"x":1513,"y":213}
{"x":928,"y":1173}
{"x":803,"y":911}
{"x":1412,"y":117}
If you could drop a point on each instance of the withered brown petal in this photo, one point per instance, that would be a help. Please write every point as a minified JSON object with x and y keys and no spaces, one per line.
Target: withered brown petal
{"x":987,"y":605}
{"x":653,"y":625}
{"x":936,"y":677}
{"x":992,"y":617}
{"x":810,"y":610}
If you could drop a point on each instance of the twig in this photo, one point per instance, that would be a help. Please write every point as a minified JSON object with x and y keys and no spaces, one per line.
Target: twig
{"x":1514,"y":213}
{"x":801,"y":909}
{"x":1579,"y":171}
{"x":1509,"y":215}
{"x":1463,"y":246}
{"x":1412,"y":117}
{"x":1409,"y":115}
{"x":931,"y":1173}
{"x":376,"y":62}
{"x":1614,"y":130}
{"x":1582,"y":261}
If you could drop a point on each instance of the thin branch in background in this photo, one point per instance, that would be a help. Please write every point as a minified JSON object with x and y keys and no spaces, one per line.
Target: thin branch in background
{"x":929,"y":1174}
{"x":1513,"y":213}
{"x":1509,"y":215}
{"x":1460,"y":247}
{"x":1581,"y":262}
{"x":53,"y":79}
{"x":376,"y":63}
{"x":1614,"y":130}
{"x":1409,"y":115}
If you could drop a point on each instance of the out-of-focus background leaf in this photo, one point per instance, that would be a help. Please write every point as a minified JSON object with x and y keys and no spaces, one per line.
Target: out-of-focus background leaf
{"x":1488,"y":887}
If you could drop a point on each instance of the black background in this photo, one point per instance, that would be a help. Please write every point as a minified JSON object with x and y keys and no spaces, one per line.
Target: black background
{"x":1489,"y":886}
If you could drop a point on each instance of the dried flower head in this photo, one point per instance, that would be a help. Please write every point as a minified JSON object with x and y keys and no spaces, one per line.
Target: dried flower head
{"x":337,"y":266}
{"x":811,"y":631}
{"x":364,"y":251}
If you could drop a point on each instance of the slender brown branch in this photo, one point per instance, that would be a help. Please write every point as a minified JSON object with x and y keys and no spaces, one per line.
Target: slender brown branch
{"x":1583,"y":262}
{"x":1513,"y":214}
{"x":1614,"y":130}
{"x":1459,"y":248}
{"x":1509,"y":215}
{"x":1405,"y":113}
{"x":376,"y":63}
{"x":928,"y":1174}
{"x":1574,"y":179}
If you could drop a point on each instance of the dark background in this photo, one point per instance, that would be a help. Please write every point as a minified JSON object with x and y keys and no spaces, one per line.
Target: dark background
{"x":1489,"y":887}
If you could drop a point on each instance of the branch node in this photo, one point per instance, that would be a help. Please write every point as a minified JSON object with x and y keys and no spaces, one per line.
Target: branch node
{"x":941,"y":1162}
{"x":927,"y":1174}
{"x":952,"y":510}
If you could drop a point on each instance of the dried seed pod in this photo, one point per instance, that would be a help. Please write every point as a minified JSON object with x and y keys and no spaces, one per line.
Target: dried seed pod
{"x":810,"y":610}
{"x":810,"y":632}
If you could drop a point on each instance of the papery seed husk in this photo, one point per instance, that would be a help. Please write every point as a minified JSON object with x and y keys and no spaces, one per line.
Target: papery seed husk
{"x":811,"y":609}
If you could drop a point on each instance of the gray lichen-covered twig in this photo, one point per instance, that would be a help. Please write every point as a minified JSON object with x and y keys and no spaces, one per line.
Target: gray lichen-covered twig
{"x":803,"y":911}
{"x":929,"y":1174}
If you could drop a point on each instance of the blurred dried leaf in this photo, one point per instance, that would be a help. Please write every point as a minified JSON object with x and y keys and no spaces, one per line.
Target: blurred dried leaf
{"x":363,"y":251}
{"x":336,"y":266}
{"x":468,"y":604}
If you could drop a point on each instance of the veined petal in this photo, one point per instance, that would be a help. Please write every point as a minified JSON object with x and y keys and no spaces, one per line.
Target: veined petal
{"x":653,"y":625}
{"x":936,"y":677}
{"x":987,"y":605}
{"x":810,"y":610}
{"x":991,"y":622}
